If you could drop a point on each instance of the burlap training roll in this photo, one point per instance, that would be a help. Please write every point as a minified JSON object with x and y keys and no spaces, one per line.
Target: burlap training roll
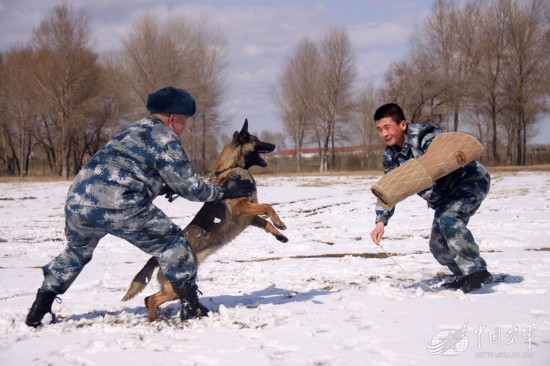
{"x":447,"y":152}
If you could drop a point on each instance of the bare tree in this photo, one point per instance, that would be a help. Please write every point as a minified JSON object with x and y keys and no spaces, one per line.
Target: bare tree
{"x":3,"y":117}
{"x":208,"y":86}
{"x":65,"y":75}
{"x":337,"y":72}
{"x":180,"y":53}
{"x":295,"y":97}
{"x":101,"y":114}
{"x":414,"y":85}
{"x":276,"y":138}
{"x":155,"y":55}
{"x":449,"y":42}
{"x":315,"y":92}
{"x":487,"y":94}
{"x":432,"y":55}
{"x":363,"y":126}
{"x":466,"y":55}
{"x":482,"y":61}
{"x":18,"y":122}
{"x":526,"y":77}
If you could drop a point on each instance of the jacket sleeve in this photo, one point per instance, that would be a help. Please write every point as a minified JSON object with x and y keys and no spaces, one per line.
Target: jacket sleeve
{"x":426,"y":136}
{"x":383,"y":213}
{"x":179,"y":174}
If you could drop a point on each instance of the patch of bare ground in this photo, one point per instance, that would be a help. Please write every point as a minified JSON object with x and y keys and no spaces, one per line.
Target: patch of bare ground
{"x":327,"y":255}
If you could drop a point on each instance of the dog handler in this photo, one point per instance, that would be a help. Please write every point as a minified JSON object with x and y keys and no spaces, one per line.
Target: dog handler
{"x":114,"y":193}
{"x":454,"y":197}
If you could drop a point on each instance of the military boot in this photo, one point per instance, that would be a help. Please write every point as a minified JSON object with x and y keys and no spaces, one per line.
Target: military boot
{"x":454,"y":284}
{"x":39,"y":308}
{"x":475,"y":281}
{"x":190,"y":305}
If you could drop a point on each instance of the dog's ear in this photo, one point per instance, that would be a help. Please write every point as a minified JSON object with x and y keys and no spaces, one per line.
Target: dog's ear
{"x":242,"y":136}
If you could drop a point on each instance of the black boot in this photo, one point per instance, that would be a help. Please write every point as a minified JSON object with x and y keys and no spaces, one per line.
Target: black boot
{"x":39,"y":308}
{"x":190,"y":305}
{"x":455,"y":284}
{"x":475,"y":281}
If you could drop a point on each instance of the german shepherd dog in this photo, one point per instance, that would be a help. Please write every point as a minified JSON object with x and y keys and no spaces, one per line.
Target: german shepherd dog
{"x":218,"y":223}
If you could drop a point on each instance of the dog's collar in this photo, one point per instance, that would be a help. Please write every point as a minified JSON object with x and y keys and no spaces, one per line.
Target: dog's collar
{"x":217,"y":173}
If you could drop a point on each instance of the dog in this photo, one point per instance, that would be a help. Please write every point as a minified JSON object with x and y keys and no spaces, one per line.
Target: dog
{"x":218,"y":223}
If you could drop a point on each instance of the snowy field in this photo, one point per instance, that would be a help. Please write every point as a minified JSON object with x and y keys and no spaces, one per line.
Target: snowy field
{"x":327,"y":297}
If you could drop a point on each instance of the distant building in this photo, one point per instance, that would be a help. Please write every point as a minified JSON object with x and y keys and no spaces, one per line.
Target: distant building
{"x":315,"y":151}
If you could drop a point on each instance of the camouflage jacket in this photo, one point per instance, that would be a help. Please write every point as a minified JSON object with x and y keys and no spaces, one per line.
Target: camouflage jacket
{"x":418,"y":139}
{"x":137,"y":165}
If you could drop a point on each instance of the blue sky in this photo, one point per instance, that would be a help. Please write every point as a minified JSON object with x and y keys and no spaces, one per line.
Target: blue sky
{"x":260,"y":35}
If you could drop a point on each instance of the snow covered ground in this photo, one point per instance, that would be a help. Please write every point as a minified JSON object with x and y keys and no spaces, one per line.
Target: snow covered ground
{"x":324,"y":298}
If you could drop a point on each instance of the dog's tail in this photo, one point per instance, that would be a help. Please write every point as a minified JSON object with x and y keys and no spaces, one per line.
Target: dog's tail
{"x":141,"y":279}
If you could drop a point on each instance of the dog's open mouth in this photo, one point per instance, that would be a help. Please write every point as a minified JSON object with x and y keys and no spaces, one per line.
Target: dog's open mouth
{"x":261,"y":158}
{"x":264,"y":150}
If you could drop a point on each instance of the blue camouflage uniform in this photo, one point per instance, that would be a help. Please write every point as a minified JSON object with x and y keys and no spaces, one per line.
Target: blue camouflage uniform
{"x":455,"y":198}
{"x":114,"y":193}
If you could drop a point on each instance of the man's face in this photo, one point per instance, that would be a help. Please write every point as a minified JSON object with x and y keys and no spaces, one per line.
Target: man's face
{"x":390,"y":132}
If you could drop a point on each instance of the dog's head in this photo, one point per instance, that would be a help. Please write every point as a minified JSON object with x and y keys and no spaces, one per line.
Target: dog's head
{"x":251,"y":148}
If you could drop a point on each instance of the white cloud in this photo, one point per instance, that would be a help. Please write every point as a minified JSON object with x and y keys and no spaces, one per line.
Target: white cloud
{"x":379,"y":35}
{"x":260,"y":37}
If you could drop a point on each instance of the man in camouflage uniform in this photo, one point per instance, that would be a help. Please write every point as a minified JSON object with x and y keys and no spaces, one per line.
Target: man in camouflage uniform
{"x":454,"y":197}
{"x":114,"y":193}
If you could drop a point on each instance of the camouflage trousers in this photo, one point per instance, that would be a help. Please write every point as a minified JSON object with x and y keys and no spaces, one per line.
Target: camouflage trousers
{"x":148,"y":228}
{"x":451,"y":242}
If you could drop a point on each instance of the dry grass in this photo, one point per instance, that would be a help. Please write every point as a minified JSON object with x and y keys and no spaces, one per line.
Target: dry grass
{"x":531,"y":168}
{"x":34,"y":179}
{"x":492,"y":169}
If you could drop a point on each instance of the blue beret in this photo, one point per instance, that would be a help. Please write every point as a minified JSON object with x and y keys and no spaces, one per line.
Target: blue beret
{"x":171,"y":100}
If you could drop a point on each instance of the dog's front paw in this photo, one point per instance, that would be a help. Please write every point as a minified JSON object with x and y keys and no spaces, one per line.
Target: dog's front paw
{"x":281,"y":238}
{"x":280,"y":225}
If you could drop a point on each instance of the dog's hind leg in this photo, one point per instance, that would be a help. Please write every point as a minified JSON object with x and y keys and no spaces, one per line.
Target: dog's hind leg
{"x":153,"y":302}
{"x":268,"y":227}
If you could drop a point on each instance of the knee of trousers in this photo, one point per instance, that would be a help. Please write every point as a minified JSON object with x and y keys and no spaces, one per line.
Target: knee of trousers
{"x":450,"y":226}
{"x":439,"y":249}
{"x":177,"y":262}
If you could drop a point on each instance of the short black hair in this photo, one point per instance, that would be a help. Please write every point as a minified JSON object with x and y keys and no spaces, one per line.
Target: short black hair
{"x":389,"y":110}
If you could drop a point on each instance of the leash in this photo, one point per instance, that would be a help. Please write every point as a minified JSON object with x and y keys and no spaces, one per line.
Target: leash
{"x":405,"y":271}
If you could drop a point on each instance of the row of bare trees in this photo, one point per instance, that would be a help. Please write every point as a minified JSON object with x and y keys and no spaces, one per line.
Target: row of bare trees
{"x":60,"y":101}
{"x":50,"y":89}
{"x":315,"y":93}
{"x":476,"y":65}
{"x":483,"y":63}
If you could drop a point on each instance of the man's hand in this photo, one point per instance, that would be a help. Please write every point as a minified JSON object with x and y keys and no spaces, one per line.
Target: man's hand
{"x":236,"y":187}
{"x":168,"y":193}
{"x":376,"y":234}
